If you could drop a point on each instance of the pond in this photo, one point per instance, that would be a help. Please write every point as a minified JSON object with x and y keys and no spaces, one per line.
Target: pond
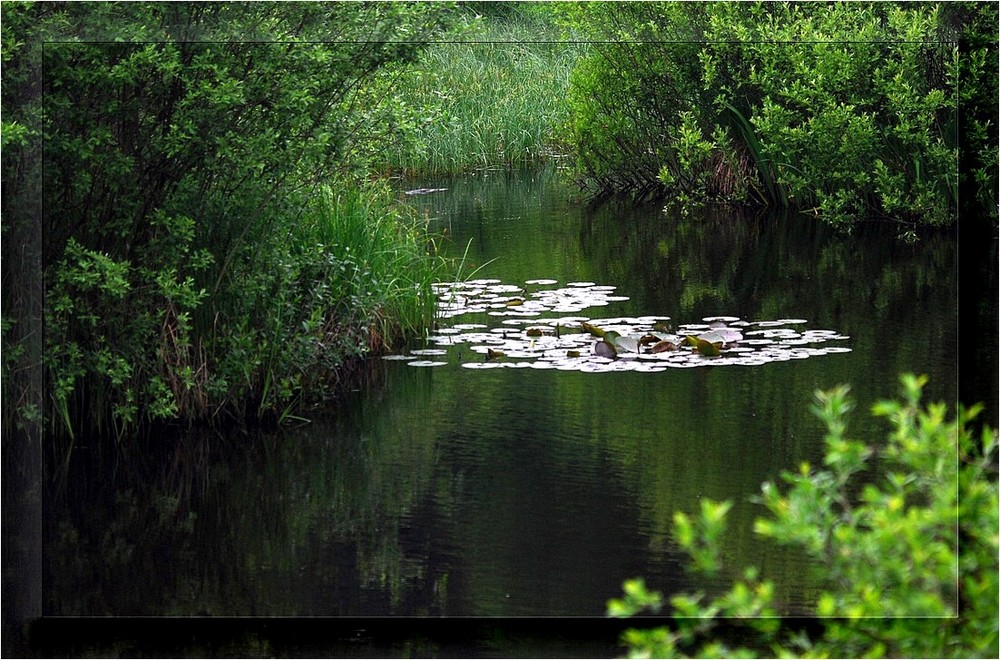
{"x":499,"y":466}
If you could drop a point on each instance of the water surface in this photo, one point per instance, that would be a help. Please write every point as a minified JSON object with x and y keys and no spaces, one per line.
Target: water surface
{"x":455,"y":491}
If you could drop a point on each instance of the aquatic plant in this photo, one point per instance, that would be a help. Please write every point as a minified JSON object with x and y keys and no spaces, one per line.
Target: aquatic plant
{"x":537,"y":333}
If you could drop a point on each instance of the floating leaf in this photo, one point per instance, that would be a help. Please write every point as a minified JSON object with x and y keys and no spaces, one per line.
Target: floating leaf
{"x":605,"y":349}
{"x":722,"y":333}
{"x":640,"y":343}
{"x":646,"y":340}
{"x":592,"y":329}
{"x":710,"y":336}
{"x":663,"y":346}
{"x":708,"y":348}
{"x":625,"y":344}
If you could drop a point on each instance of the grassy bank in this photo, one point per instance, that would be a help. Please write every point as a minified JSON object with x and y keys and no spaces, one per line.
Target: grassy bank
{"x":492,"y":98}
{"x":351,"y":278}
{"x":346,"y":274}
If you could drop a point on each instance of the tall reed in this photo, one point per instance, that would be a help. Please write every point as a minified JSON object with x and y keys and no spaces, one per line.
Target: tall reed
{"x":387,"y":261}
{"x":493,"y":100}
{"x":354,"y":278}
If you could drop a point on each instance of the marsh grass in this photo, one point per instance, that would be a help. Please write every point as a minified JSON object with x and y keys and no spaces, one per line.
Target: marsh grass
{"x":355,"y":280}
{"x":493,"y":100}
{"x":344,"y":273}
{"x":387,"y":261}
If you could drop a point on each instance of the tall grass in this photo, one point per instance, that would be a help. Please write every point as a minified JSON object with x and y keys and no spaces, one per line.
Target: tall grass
{"x":493,"y":100}
{"x":355,"y":279}
{"x":387,"y":261}
{"x":341,"y":273}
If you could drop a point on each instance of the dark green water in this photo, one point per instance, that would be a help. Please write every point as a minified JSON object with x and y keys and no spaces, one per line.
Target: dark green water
{"x":447,"y":491}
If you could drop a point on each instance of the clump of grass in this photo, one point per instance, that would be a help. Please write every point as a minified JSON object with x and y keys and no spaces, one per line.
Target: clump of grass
{"x":493,"y":100}
{"x":384,"y":263}
{"x":339,"y":274}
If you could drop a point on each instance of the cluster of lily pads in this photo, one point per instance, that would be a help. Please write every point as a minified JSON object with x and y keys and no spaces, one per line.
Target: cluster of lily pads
{"x":539,"y":326}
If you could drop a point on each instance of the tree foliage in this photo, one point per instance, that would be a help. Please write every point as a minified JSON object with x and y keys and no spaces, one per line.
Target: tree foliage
{"x":907,"y":562}
{"x":185,"y":151}
{"x":848,"y":110}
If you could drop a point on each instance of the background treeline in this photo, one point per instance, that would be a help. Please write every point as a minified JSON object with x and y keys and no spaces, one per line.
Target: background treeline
{"x":190,"y":180}
{"x":850,"y":110}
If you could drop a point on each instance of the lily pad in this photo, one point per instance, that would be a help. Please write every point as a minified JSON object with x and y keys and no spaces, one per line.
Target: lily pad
{"x":605,"y":349}
{"x":626,"y":344}
{"x":708,"y":348}
{"x":663,"y":346}
{"x":592,"y":329}
{"x":543,"y":327}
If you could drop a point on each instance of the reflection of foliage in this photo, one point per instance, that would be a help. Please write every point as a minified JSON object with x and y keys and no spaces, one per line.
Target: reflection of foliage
{"x":484,"y":210}
{"x":699,"y":266}
{"x":306,"y":523}
{"x":888,"y":551}
{"x":764,"y":267}
{"x":133,"y":537}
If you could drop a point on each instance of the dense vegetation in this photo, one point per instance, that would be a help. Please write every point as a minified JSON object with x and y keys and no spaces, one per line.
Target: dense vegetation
{"x":193,"y":231}
{"x":207,"y":240}
{"x":492,"y":99}
{"x":204,"y":218}
{"x":908,"y":561}
{"x":849,"y":111}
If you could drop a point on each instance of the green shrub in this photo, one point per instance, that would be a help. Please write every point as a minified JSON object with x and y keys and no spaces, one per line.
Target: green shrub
{"x":849,"y":111}
{"x":185,"y":149}
{"x":906,"y":562}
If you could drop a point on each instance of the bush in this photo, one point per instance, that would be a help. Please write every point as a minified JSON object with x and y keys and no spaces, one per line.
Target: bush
{"x":907,"y":563}
{"x":849,"y":111}
{"x":186,"y":147}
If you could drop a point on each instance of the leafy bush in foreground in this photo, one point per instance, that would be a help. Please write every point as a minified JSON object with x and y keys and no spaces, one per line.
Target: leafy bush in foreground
{"x":907,"y":563}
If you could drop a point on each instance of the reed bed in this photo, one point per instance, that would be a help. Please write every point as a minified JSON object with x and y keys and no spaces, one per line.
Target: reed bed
{"x":382,"y":248}
{"x":493,"y":100}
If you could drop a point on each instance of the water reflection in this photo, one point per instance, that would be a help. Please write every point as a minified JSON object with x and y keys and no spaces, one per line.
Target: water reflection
{"x":453,"y":491}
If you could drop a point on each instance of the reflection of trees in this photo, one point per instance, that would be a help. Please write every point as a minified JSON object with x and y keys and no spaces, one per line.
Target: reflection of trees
{"x":895,"y":301}
{"x":524,"y":219}
{"x":718,"y":262}
{"x":715,"y":433}
{"x":710,"y":260}
{"x":306,"y":522}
